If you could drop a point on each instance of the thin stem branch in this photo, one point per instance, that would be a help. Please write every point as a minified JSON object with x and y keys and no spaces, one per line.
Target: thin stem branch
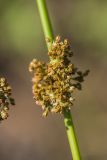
{"x":71,"y":135}
{"x":47,"y":28}
{"x":45,"y":20}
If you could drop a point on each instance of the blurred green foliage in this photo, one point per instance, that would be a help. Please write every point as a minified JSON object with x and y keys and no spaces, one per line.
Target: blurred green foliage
{"x":19,"y":27}
{"x":84,"y":20}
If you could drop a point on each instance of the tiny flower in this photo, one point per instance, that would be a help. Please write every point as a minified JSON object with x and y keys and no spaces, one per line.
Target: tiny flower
{"x":71,"y":99}
{"x":3,"y":115}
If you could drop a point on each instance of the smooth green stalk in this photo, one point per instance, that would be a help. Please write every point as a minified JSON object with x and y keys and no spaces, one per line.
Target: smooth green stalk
{"x":46,"y":24}
{"x":71,"y":135}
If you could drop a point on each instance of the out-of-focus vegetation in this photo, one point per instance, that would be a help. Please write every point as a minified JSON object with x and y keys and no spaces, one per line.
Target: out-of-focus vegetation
{"x":84,"y":21}
{"x":26,"y":135}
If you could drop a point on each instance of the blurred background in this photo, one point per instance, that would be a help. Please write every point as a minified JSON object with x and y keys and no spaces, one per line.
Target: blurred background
{"x":26,"y":135}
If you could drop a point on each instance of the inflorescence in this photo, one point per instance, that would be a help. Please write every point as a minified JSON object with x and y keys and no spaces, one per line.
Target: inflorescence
{"x":54,"y":82}
{"x":5,"y":98}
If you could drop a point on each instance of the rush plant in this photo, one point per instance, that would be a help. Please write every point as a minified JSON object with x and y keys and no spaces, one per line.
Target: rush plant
{"x":54,"y":82}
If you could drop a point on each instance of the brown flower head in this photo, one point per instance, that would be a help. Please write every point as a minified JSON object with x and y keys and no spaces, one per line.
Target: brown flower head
{"x":5,"y":98}
{"x":55,"y":82}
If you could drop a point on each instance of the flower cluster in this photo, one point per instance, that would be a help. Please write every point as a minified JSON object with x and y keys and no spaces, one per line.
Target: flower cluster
{"x":5,"y":98}
{"x":54,"y":82}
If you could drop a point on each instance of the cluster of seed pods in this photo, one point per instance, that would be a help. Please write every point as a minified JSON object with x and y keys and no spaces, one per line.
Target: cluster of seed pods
{"x":55,"y":82}
{"x":5,"y":98}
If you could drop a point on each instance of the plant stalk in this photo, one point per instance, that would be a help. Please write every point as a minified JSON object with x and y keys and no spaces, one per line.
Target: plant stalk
{"x":71,"y":135}
{"x":47,"y":28}
{"x":46,"y":23}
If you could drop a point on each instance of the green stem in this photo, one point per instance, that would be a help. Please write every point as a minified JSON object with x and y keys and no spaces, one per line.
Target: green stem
{"x":71,"y":135}
{"x":46,"y":23}
{"x":47,"y":28}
